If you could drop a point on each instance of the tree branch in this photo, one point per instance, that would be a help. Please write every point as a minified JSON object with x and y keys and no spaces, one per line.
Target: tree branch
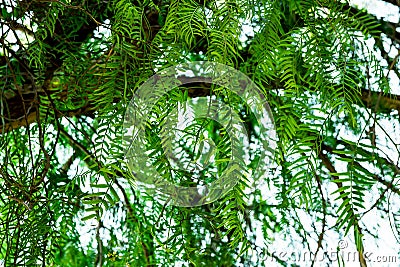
{"x":385,"y":103}
{"x":393,"y":2}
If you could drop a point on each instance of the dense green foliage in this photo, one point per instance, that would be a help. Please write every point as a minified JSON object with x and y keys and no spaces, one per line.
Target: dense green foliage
{"x":68,"y":69}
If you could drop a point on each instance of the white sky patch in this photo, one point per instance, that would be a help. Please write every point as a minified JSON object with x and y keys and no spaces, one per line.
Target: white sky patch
{"x":247,"y":31}
{"x":380,"y":9}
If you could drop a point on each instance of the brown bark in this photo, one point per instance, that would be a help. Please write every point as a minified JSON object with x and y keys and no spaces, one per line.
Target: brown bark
{"x":384,"y":102}
{"x":20,"y":109}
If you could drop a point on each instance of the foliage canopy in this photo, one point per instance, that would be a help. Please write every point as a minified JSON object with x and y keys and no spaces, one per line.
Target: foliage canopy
{"x":68,"y":69}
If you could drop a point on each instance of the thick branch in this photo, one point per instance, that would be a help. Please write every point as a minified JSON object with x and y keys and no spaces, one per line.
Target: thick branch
{"x":20,"y":108}
{"x":385,"y":102}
